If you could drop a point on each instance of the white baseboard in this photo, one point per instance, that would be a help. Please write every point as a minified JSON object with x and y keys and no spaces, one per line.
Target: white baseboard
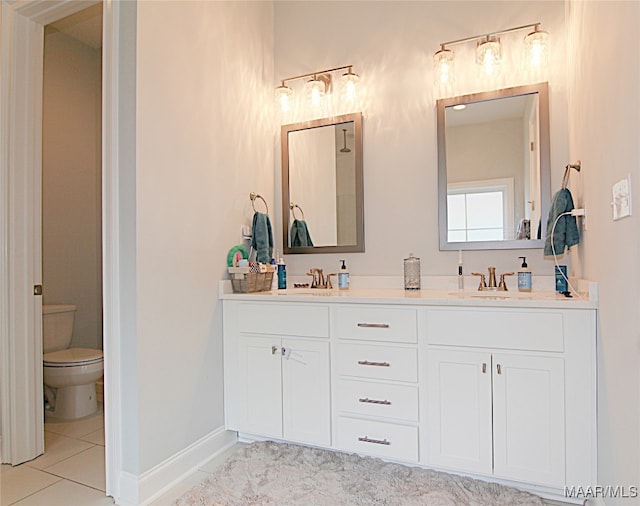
{"x":143,"y":489}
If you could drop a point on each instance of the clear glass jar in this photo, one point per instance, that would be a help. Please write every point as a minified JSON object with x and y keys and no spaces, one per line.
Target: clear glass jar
{"x":411,"y":273}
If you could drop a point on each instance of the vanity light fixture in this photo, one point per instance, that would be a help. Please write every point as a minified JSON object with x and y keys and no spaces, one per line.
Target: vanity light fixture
{"x":536,"y":46}
{"x":319,"y":85}
{"x":489,"y":52}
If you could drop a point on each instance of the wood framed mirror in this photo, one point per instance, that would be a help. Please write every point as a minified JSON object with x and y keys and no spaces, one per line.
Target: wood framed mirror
{"x":322,"y":186}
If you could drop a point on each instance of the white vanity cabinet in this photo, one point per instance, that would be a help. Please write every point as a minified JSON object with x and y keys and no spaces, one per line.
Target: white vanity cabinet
{"x":376,"y":380}
{"x":504,"y":390}
{"x":278,"y":386}
{"x":511,"y":403}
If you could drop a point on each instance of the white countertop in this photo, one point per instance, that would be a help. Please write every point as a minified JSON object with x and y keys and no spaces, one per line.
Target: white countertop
{"x":427,"y":297}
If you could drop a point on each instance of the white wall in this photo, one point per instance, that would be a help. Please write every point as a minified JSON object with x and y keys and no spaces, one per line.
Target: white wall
{"x":71,"y":181}
{"x":391,"y":44}
{"x":604,"y":124}
{"x":204,"y":141}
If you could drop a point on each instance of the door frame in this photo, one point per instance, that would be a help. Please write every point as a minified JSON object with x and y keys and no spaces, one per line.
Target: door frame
{"x":21,"y":55}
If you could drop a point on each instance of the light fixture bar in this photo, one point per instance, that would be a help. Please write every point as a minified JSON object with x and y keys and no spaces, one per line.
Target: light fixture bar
{"x":490,"y":34}
{"x":311,"y":74}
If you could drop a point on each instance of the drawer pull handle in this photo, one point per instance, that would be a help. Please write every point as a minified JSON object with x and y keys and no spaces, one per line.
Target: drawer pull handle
{"x":366,"y":400}
{"x":374,"y":325}
{"x":378,"y":364}
{"x":374,"y":441}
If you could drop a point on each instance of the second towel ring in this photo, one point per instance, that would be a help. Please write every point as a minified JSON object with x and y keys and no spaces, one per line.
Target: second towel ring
{"x":292,"y":206}
{"x":253,"y":196}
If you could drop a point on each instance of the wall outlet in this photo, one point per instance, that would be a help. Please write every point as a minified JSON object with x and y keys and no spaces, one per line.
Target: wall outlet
{"x":621,"y":204}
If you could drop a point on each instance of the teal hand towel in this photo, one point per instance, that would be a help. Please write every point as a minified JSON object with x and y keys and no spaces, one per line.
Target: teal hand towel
{"x":300,"y":236}
{"x":565,"y":233}
{"x":262,"y":237}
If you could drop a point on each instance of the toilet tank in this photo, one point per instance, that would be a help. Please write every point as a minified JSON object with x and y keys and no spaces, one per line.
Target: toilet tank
{"x":57,"y":326}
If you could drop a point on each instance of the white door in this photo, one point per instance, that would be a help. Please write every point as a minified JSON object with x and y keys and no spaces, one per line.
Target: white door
{"x":260,"y":388}
{"x":459,"y":410}
{"x":306,"y":403}
{"x":528,"y":419}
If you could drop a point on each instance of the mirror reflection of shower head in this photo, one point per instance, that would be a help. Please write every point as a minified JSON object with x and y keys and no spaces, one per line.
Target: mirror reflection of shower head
{"x":345,"y":149}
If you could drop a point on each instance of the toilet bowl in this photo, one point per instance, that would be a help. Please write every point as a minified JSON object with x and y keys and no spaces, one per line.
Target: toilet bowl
{"x":69,"y":374}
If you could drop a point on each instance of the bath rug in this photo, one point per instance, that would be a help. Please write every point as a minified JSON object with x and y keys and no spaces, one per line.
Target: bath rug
{"x":278,"y":474}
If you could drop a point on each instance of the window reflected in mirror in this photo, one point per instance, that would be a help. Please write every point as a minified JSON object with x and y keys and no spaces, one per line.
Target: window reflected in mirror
{"x":493,"y":168}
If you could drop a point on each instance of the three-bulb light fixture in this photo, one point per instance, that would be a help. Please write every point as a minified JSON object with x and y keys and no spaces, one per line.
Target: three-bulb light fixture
{"x":489,"y":53}
{"x":319,"y":85}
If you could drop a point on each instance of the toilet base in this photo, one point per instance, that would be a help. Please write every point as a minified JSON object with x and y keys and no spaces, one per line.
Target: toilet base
{"x":74,"y":402}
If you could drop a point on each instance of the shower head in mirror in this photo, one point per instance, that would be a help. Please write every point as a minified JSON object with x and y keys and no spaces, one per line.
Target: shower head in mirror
{"x":345,"y":149}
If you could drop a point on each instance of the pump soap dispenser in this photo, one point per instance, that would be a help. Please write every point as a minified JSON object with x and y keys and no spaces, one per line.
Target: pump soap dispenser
{"x":524,"y":276}
{"x":343,"y":277}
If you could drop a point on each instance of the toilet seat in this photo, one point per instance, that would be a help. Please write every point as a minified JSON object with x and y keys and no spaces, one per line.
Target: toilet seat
{"x":72,"y":357}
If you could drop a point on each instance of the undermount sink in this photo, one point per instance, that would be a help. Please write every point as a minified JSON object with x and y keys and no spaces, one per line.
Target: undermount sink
{"x":490,"y":294}
{"x":306,"y":291}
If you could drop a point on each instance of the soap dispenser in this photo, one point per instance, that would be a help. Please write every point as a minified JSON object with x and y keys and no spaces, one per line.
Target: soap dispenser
{"x":343,"y":277}
{"x":524,"y":276}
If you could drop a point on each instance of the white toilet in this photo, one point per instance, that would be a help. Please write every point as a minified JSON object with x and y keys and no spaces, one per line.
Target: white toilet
{"x":70,"y":374}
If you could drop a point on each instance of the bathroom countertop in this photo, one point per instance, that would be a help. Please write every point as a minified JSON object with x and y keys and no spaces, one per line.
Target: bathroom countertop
{"x":427,"y":297}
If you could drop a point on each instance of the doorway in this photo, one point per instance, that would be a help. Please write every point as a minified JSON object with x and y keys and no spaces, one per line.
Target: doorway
{"x":21,"y":59}
{"x":72,"y":229}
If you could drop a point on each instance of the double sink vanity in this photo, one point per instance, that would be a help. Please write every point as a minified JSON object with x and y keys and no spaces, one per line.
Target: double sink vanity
{"x":496,"y":385}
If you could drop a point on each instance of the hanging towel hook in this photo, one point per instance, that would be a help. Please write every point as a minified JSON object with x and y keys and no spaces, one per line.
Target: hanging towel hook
{"x":253,"y":196}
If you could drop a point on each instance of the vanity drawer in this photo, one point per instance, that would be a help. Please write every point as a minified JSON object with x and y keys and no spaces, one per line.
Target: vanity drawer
{"x":509,"y":329}
{"x":378,"y":438}
{"x":304,"y":320}
{"x":376,"y":323}
{"x":379,"y":362}
{"x":378,"y":399}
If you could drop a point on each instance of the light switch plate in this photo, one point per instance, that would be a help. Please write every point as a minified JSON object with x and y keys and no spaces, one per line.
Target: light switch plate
{"x":621,"y":204}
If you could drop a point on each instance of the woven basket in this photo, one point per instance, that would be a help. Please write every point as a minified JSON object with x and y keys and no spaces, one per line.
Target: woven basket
{"x":244,"y":281}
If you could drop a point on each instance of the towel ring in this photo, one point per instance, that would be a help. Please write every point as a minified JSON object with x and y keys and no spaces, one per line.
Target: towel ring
{"x":567,"y":170}
{"x":253,"y":196}
{"x":292,"y":206}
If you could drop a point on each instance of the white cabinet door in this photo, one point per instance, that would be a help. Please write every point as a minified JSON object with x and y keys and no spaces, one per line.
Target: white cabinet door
{"x":528,"y":419}
{"x":259,"y":388}
{"x":459,"y":410}
{"x":306,"y":402}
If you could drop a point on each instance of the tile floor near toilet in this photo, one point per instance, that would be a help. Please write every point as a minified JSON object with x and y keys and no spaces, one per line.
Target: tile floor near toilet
{"x":71,"y":471}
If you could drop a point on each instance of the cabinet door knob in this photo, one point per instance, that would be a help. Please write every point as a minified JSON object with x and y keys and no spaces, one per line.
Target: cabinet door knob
{"x":484,"y":368}
{"x":499,"y":369}
{"x":274,"y":349}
